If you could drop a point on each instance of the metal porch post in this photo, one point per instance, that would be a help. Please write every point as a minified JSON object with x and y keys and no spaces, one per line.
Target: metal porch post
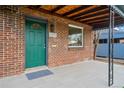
{"x":110,"y":46}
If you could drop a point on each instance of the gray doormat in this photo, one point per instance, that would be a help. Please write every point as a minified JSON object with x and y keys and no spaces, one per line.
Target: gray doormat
{"x":38,"y":74}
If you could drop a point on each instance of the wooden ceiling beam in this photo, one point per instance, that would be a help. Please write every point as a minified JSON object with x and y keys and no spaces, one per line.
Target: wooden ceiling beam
{"x":116,"y":15}
{"x":95,"y":17}
{"x":58,"y":8}
{"x":107,"y":22}
{"x":93,"y":13}
{"x":87,"y":10}
{"x":75,"y":10}
{"x":38,"y":6}
{"x":102,"y":22}
{"x":96,"y":21}
{"x":101,"y":19}
{"x":83,"y":10}
{"x":34,"y":6}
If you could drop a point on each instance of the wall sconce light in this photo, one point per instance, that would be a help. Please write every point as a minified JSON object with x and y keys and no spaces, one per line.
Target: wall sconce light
{"x":53,"y":32}
{"x":52,"y":26}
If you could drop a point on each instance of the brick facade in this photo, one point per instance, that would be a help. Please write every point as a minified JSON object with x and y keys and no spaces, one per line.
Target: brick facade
{"x":12,"y":42}
{"x":61,"y":54}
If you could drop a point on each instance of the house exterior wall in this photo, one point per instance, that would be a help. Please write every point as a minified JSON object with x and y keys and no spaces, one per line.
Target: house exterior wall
{"x":62,"y":54}
{"x":12,"y":43}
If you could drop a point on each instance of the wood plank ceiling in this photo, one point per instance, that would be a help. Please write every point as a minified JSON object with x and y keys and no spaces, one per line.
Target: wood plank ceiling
{"x":94,"y":15}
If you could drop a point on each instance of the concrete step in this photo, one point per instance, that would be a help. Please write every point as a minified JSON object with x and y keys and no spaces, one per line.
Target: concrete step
{"x":29,"y":70}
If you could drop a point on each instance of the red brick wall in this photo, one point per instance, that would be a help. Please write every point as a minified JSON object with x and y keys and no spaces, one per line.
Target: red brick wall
{"x":11,"y":42}
{"x":12,"y":46}
{"x":61,"y":54}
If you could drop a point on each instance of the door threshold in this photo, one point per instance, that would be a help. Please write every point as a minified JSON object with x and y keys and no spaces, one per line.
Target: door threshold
{"x":29,"y":70}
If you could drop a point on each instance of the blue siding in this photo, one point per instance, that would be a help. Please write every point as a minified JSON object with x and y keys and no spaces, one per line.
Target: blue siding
{"x":116,"y":35}
{"x":102,"y":50}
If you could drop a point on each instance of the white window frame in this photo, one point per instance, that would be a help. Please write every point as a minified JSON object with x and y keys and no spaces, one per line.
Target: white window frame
{"x":74,"y":26}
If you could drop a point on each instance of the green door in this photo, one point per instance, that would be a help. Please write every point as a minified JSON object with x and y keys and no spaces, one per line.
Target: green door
{"x":35,"y":43}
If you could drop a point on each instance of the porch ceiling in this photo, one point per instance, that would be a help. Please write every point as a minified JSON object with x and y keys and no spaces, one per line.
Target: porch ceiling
{"x":94,"y":15}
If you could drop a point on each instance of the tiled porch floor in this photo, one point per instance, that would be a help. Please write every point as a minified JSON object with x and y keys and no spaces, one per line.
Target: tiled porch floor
{"x":82,"y":74}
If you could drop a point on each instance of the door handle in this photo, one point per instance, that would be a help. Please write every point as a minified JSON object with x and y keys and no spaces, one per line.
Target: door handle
{"x":44,"y":45}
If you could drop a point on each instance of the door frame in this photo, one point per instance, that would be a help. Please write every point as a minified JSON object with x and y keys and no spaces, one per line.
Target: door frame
{"x":32,"y":18}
